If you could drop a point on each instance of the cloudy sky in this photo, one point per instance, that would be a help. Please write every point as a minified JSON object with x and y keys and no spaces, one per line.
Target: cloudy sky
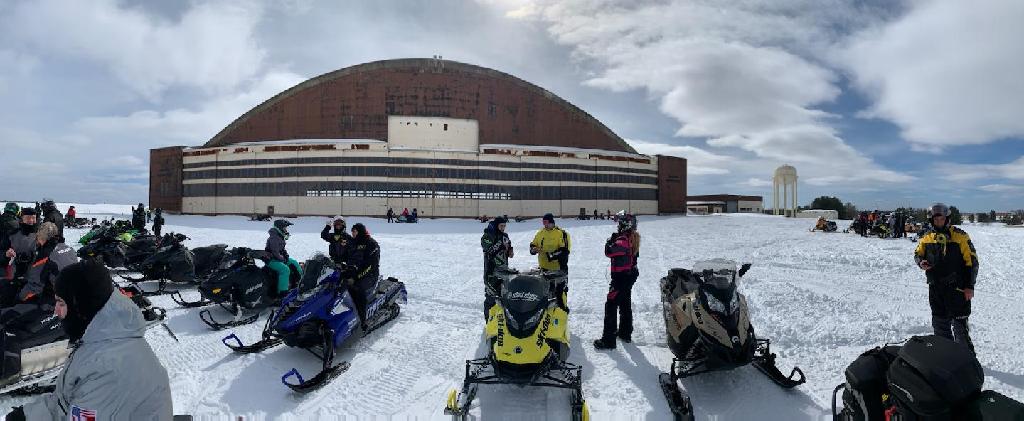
{"x":881,"y":103}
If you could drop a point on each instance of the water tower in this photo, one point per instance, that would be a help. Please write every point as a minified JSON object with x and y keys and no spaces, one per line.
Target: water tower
{"x":785,"y":177}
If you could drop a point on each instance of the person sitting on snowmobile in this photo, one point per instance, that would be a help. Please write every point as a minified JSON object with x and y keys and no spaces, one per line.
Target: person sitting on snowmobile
{"x":158,"y":222}
{"x":822,"y":224}
{"x":336,"y":240}
{"x":622,"y":252}
{"x":112,"y":373}
{"x":279,"y":261}
{"x":22,"y":242}
{"x":36,"y":291}
{"x":497,"y":249}
{"x":362,"y":257}
{"x":949,"y":260}
{"x":52,"y":215}
{"x":551,"y":244}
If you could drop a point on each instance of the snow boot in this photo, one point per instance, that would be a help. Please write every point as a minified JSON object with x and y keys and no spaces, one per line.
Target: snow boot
{"x":624,"y":338}
{"x":602,"y":344}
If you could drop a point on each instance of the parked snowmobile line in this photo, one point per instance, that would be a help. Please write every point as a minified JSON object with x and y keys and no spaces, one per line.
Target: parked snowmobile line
{"x":318,"y":316}
{"x":708,"y":328}
{"x":529,"y":343}
{"x":238,"y":286}
{"x":104,"y":246}
{"x":35,"y":347}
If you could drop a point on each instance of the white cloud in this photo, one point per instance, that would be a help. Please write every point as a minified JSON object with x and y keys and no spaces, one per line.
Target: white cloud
{"x":211,"y":47}
{"x":948,"y":73}
{"x":186,"y":126}
{"x":757,"y":182}
{"x":1002,"y":188}
{"x":743,"y":74}
{"x":698,"y":161}
{"x":14,"y":65}
{"x":971,"y":172}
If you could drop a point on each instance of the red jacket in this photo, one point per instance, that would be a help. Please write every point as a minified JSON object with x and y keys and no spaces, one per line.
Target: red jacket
{"x":620,"y":251}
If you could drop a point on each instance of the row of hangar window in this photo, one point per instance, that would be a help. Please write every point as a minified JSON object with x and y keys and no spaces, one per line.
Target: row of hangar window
{"x":410,"y":194}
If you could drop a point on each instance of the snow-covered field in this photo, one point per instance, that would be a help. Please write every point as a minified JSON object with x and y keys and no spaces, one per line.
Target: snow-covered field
{"x":821,"y":298}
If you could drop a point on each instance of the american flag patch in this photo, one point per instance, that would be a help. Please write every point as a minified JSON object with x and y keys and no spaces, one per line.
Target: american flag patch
{"x":79,"y":414}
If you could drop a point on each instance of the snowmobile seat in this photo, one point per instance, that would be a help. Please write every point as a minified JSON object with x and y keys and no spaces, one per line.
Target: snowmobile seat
{"x":932,"y":376}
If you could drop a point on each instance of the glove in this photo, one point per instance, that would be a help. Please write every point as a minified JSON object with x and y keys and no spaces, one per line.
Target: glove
{"x":17,"y":414}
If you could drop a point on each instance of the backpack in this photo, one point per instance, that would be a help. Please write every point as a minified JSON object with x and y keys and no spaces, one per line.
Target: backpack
{"x":865,"y":394}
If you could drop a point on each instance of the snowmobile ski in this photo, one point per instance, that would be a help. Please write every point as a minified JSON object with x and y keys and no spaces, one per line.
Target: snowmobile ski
{"x":678,"y":401}
{"x":237,"y":346}
{"x":764,"y":360}
{"x":237,"y":321}
{"x":40,"y":382}
{"x":176,"y":296}
{"x":323,"y":377}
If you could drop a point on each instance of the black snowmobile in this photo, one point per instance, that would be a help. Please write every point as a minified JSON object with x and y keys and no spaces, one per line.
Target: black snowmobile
{"x":35,"y":346}
{"x":709,"y":329}
{"x":319,"y":315}
{"x":927,"y":377}
{"x":172,"y":262}
{"x":529,"y":343}
{"x":238,"y":285}
{"x":105,"y":247}
{"x":139,"y":249}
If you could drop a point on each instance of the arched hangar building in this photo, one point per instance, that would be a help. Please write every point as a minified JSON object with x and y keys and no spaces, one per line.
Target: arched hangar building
{"x":448,"y":138}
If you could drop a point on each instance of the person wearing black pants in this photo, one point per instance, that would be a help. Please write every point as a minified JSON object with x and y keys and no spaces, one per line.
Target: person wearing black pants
{"x":622,"y":252}
{"x":950,"y":262}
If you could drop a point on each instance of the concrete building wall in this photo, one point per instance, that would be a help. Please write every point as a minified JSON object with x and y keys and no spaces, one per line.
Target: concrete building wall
{"x":433,"y":133}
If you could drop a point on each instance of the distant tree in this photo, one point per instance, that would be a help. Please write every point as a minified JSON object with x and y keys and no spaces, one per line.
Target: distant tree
{"x":849,"y":211}
{"x":970,"y":218}
{"x":992,"y":216}
{"x":829,"y":203}
{"x":983,"y":218}
{"x":954,"y":216}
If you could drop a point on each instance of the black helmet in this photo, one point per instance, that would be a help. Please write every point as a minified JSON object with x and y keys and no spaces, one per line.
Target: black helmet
{"x":938,"y":209}
{"x":282,"y":225}
{"x":627,"y":222}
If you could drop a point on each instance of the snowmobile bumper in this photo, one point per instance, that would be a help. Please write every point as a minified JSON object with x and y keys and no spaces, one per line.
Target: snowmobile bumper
{"x":237,"y":321}
{"x":232,"y":341}
{"x":323,"y":377}
{"x":553,"y":373}
{"x":176,"y":296}
{"x":678,"y":402}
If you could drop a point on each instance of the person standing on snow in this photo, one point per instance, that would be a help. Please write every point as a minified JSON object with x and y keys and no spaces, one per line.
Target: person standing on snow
{"x":391,"y":215}
{"x":279,"y":261}
{"x":112,"y":373}
{"x":622,"y":251}
{"x":497,"y":249}
{"x":363,"y":258}
{"x":551,"y":245}
{"x":139,"y":218}
{"x":336,"y":240}
{"x":949,"y":260}
{"x":158,"y":222}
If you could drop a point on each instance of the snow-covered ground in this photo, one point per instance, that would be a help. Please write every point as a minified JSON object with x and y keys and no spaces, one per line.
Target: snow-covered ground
{"x":821,"y":298}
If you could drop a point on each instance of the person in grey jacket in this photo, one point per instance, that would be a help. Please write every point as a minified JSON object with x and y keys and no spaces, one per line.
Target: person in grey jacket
{"x":35,"y":293}
{"x":23,"y":243}
{"x":112,"y":373}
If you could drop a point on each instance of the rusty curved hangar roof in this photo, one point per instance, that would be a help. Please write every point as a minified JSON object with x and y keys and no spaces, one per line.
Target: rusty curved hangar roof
{"x":355,"y":102}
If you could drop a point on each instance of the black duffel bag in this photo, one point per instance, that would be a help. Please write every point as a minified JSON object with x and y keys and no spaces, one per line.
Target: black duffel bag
{"x":932,"y":376}
{"x":865,"y":388}
{"x":993,"y":406}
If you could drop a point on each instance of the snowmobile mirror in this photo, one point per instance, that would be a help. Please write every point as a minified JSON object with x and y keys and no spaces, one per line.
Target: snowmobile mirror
{"x":744,"y":269}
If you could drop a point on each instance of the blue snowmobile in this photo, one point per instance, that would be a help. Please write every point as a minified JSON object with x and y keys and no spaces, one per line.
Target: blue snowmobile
{"x":319,"y":316}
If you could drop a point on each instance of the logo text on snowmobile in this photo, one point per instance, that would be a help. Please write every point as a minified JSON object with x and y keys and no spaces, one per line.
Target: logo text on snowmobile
{"x":544,"y":329}
{"x":339,"y":308}
{"x":253,"y":289}
{"x":524,"y":295}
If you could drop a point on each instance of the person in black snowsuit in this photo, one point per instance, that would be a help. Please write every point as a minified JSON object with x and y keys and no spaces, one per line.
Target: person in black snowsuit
{"x":8,"y":226}
{"x":391,"y":215}
{"x":52,"y":215}
{"x":337,"y":240}
{"x":22,"y":244}
{"x":362,"y":257}
{"x":158,"y":222}
{"x":950,"y":262}
{"x":139,"y":218}
{"x":497,"y":249}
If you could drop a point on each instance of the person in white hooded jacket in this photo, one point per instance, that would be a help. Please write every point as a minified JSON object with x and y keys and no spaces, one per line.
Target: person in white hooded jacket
{"x":112,"y":373}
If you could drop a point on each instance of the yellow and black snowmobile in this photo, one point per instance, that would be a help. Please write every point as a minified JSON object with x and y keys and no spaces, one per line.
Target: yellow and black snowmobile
{"x":709,"y":329}
{"x":529,"y":342}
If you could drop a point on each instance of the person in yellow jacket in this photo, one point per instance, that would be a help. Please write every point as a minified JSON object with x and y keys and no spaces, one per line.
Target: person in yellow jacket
{"x":551,"y":245}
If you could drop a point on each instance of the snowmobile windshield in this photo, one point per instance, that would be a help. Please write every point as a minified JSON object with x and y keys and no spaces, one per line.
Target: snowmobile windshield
{"x":525,"y":298}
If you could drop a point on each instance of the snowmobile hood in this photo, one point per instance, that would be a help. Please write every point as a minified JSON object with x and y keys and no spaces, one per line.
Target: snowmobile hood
{"x":119,"y":318}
